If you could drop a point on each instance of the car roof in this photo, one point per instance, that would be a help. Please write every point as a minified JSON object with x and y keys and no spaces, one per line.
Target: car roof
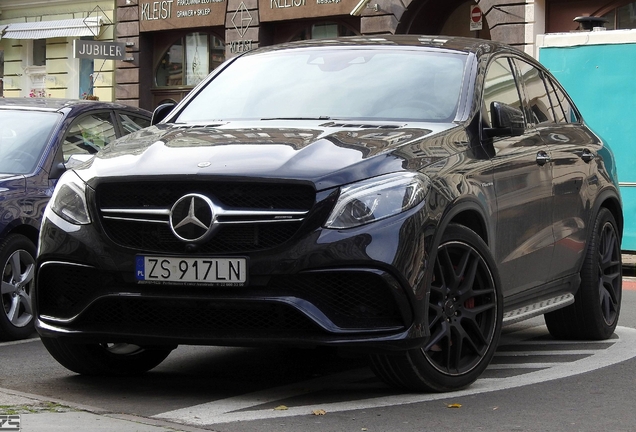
{"x":53,"y":104}
{"x":450,"y":43}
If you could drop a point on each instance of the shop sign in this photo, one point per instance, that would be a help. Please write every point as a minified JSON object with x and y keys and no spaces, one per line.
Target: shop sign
{"x":241,"y":20}
{"x":171,"y":14}
{"x":99,"y":49}
{"x":277,"y":10}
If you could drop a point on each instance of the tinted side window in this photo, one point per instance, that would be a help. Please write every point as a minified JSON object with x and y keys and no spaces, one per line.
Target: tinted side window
{"x":538,"y":101}
{"x":499,"y":86}
{"x":562,"y":107}
{"x":132,"y":123}
{"x":88,"y":134}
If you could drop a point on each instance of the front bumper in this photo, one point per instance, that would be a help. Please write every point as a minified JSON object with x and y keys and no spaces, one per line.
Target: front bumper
{"x":359,"y":288}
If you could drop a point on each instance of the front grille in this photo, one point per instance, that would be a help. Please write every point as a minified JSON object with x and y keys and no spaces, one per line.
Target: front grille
{"x":124,"y":210}
{"x":238,"y":195}
{"x":229,"y":239}
{"x":349,"y":299}
{"x":196,"y":317}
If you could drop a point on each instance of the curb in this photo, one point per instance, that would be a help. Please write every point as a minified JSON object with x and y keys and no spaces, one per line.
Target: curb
{"x":629,"y":264}
{"x":95,"y":413}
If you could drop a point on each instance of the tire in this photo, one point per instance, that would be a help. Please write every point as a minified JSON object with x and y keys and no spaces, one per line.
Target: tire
{"x":597,"y":303}
{"x":465,"y":312}
{"x":17,"y":257}
{"x":118,"y":359}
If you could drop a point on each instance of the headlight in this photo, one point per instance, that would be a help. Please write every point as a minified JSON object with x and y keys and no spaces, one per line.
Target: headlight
{"x":377,"y":198}
{"x":69,"y":199}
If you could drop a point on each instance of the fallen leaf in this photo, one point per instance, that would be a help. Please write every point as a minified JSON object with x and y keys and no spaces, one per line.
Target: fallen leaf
{"x":319,"y":412}
{"x":280,"y":408}
{"x":455,"y":405}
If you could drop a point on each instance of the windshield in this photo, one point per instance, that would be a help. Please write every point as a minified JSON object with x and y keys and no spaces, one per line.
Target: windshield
{"x":360,"y":84}
{"x":23,"y":136}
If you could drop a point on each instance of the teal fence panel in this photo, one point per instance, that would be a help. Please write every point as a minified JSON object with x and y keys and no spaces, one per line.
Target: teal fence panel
{"x":601,"y":79}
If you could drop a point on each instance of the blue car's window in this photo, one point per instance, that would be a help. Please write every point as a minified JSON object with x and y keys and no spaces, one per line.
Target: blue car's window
{"x":23,"y":138}
{"x":89,"y":134}
{"x":353,"y":84}
{"x":131,"y":123}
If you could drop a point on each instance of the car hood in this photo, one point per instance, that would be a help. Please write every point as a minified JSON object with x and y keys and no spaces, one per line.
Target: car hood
{"x":326,"y":154}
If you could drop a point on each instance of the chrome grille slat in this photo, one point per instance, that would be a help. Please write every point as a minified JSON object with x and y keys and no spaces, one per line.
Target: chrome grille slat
{"x":227,"y":215}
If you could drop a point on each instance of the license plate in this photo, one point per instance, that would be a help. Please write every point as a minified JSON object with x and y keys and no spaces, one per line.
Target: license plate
{"x":204,"y":271}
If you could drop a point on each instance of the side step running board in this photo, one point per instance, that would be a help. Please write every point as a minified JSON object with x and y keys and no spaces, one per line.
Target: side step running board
{"x":538,"y":308}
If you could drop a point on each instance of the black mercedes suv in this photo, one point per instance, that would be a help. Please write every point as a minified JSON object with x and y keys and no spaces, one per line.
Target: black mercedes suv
{"x":404,"y":196}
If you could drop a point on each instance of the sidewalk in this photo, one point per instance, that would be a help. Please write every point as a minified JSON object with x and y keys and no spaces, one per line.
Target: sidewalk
{"x":629,"y":265}
{"x":38,"y":414}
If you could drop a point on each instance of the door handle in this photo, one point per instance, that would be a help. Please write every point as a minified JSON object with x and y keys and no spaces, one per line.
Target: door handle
{"x":587,"y":156}
{"x":543,"y":158}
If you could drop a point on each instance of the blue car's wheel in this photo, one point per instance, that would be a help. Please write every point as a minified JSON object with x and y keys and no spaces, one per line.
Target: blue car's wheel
{"x":17,"y":257}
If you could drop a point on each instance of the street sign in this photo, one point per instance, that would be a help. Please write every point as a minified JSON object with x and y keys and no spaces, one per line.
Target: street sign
{"x":99,"y":49}
{"x":476,"y":18}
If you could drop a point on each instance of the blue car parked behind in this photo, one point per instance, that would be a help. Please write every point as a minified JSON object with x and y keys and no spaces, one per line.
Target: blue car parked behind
{"x":39,"y":139}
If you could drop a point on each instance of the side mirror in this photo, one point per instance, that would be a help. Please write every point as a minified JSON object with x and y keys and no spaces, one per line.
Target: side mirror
{"x":72,"y":162}
{"x":506,"y":121}
{"x":161,"y":112}
{"x":77,"y":159}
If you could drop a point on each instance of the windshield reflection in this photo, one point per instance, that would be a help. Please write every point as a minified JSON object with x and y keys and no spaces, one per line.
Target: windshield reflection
{"x":23,"y":137}
{"x":362,"y":84}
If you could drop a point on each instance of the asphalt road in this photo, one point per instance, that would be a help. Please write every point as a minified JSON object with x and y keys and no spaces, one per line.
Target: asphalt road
{"x":533,"y":384}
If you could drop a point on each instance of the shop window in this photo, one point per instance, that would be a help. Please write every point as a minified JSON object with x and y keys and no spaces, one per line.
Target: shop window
{"x":621,"y":18}
{"x":36,"y":67}
{"x":39,"y":52}
{"x":87,"y":67}
{"x":189,"y":60}
{"x":324,"y":31}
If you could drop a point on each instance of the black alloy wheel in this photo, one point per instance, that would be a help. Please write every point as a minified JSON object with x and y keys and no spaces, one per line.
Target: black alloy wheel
{"x":464,"y":318}
{"x":597,"y":303}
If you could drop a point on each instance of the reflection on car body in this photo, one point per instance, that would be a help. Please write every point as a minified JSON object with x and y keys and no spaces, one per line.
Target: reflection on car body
{"x":401,"y":197}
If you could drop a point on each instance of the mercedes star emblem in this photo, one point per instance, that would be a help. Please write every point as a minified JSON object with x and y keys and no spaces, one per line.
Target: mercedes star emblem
{"x":192,"y":218}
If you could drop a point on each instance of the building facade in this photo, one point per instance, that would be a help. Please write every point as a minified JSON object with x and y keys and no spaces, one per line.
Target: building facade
{"x":168,"y":46}
{"x":38,"y":43}
{"x":179,"y":41}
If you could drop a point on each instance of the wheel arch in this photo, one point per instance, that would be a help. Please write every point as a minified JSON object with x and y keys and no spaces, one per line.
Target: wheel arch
{"x":465,"y":211}
{"x":612,"y":203}
{"x":27,"y":231}
{"x":610,"y":200}
{"x":469,"y":213}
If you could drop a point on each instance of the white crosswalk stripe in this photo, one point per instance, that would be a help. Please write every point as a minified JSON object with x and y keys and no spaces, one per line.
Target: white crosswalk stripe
{"x":258,"y":405}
